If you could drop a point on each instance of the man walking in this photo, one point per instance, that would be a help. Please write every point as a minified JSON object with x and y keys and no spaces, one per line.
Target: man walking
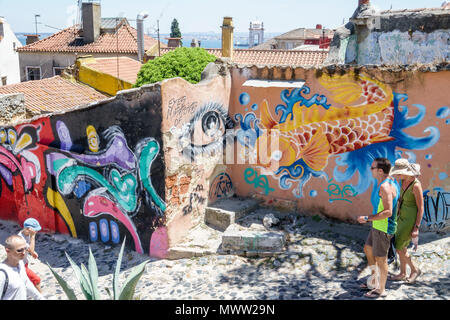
{"x":14,"y":282}
{"x":384,"y":223}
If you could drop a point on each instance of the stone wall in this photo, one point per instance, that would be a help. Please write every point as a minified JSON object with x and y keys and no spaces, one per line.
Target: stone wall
{"x":12,"y":107}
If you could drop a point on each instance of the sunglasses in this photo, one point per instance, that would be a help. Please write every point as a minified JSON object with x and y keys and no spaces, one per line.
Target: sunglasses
{"x":20,"y":250}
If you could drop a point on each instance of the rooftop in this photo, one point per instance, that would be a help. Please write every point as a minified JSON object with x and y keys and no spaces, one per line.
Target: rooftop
{"x":271,"y":57}
{"x":305,"y":33}
{"x":123,"y":40}
{"x":54,"y":94}
{"x":128,"y":68}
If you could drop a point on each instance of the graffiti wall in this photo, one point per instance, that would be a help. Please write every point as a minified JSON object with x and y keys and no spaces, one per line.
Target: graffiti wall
{"x":145,"y":164}
{"x":311,"y":135}
{"x":196,"y":127}
{"x":95,"y":173}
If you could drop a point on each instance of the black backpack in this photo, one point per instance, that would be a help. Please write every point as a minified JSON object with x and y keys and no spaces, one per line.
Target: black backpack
{"x":5,"y":285}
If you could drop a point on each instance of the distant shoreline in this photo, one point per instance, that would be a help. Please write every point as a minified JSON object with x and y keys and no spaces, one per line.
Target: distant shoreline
{"x":207,"y":40}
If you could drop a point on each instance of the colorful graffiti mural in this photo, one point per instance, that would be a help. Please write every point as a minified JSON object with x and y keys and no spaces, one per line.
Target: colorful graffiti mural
{"x":359,"y":119}
{"x":67,"y":167}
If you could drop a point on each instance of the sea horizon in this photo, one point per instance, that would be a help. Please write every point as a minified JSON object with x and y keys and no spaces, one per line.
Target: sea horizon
{"x":211,"y":41}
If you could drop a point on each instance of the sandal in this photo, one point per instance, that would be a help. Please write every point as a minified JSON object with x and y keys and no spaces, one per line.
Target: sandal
{"x":364,"y":286}
{"x":412,"y":279}
{"x":398,"y":277}
{"x":375,"y":294}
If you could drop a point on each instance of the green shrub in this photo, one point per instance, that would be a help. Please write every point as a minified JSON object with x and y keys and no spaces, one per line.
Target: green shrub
{"x":187,"y":63}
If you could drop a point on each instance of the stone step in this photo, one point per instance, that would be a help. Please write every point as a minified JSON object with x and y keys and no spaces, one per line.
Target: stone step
{"x":225,"y":212}
{"x":257,"y":241}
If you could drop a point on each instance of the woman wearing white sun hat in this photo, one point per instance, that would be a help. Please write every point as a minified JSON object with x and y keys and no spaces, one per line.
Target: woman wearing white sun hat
{"x":409,"y":216}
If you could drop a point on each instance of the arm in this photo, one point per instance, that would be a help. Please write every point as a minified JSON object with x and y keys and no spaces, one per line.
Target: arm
{"x":32,"y":245}
{"x":418,"y":194}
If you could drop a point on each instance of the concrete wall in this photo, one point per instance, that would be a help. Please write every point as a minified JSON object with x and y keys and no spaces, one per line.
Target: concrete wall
{"x":330,"y":131}
{"x":9,"y":62}
{"x":404,"y":48}
{"x":147,"y":162}
{"x":96,"y":173}
{"x":98,"y":80}
{"x":118,"y":168}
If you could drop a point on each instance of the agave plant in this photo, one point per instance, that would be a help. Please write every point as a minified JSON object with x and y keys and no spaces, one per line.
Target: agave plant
{"x":88,"y":279}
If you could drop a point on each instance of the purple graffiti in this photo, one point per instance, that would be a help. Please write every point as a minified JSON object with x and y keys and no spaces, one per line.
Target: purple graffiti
{"x":117,"y":153}
{"x":64,"y":135}
{"x":6,"y":174}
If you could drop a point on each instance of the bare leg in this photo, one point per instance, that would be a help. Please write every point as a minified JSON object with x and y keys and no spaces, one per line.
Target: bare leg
{"x":403,"y":263}
{"x":383,"y":267}
{"x":369,"y":254}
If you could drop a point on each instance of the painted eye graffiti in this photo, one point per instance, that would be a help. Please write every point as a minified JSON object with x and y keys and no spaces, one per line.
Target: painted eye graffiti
{"x":207,"y":131}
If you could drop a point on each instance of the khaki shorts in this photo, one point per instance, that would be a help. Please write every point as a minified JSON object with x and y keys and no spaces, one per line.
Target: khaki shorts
{"x":379,"y":241}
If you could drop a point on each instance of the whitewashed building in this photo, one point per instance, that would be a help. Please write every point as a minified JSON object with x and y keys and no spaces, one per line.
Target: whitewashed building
{"x":9,"y":57}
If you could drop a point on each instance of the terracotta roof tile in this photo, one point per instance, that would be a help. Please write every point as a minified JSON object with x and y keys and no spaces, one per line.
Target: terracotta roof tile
{"x":69,"y":40}
{"x":128,"y":68}
{"x":271,"y":57}
{"x":53,"y":94}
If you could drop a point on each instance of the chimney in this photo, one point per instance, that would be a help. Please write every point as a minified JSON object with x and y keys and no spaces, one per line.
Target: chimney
{"x":92,"y":19}
{"x":318,"y":26}
{"x":174,"y":42}
{"x":227,"y":37}
{"x":361,"y":2}
{"x":140,"y":34}
{"x":31,"y":38}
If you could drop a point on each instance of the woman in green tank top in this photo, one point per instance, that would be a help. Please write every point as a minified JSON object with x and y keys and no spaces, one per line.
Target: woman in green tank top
{"x":409,"y":216}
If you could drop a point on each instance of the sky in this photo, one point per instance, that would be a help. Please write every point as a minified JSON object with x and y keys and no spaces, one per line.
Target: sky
{"x":278,"y":16}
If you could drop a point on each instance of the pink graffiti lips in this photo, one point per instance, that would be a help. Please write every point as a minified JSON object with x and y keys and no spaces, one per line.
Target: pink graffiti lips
{"x":27,"y":169}
{"x":96,"y":205}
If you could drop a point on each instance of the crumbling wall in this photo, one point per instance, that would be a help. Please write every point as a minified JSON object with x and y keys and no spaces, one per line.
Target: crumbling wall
{"x":196,"y":127}
{"x":404,"y":48}
{"x":330,"y":129}
{"x":12,"y":107}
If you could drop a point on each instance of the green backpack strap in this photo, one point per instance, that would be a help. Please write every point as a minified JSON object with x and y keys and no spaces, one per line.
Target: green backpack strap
{"x":5,"y":285}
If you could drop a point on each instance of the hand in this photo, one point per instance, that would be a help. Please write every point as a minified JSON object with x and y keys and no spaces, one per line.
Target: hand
{"x":362,"y":219}
{"x":415,"y":233}
{"x":34,"y":255}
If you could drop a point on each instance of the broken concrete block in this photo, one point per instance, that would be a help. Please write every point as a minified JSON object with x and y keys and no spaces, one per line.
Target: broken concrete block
{"x":225,"y":212}
{"x":253,"y":240}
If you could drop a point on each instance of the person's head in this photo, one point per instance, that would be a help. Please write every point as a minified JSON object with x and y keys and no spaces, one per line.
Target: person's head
{"x":380,"y":167}
{"x":404,"y":170}
{"x":15,"y":247}
{"x":31,"y":225}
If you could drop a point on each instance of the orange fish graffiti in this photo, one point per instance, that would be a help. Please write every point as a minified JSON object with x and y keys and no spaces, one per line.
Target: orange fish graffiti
{"x":314,"y":133}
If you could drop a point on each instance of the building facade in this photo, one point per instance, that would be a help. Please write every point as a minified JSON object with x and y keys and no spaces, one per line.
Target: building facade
{"x":9,"y":62}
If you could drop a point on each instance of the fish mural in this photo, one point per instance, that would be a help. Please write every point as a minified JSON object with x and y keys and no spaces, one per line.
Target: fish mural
{"x":296,"y":142}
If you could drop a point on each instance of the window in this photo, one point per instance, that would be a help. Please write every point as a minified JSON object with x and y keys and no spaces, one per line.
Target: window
{"x":4,"y":81}
{"x":58,"y":70}
{"x":33,"y":73}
